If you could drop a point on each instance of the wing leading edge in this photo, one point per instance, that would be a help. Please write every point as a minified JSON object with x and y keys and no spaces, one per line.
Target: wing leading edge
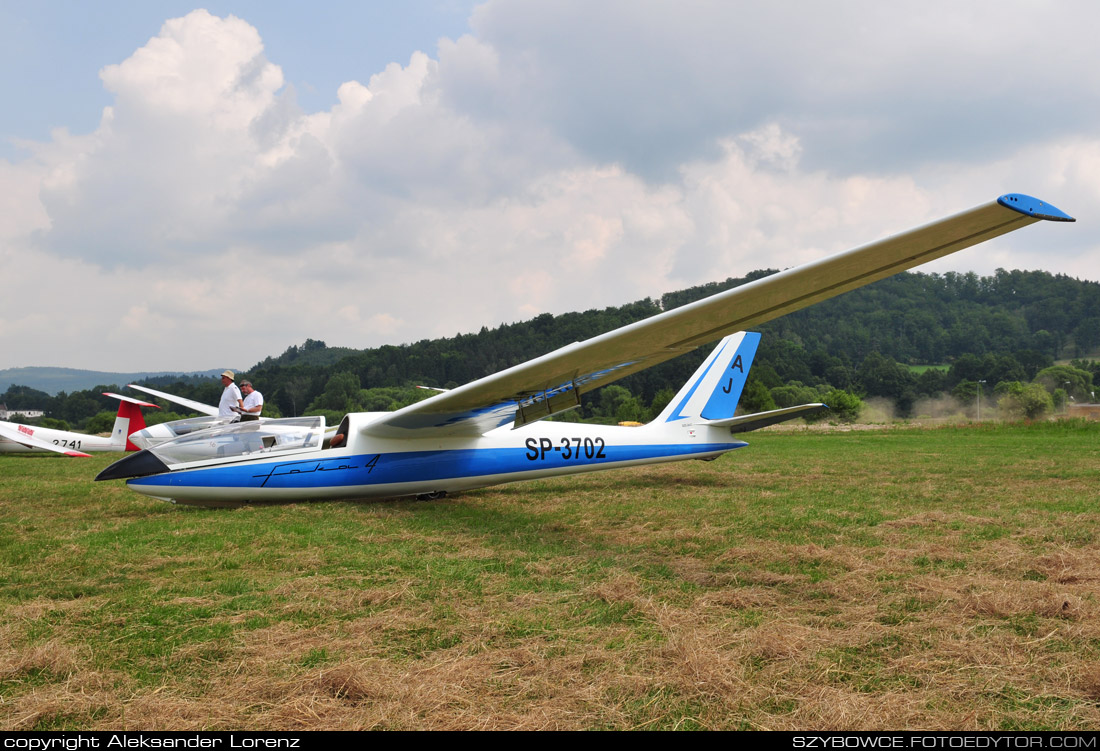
{"x":202,"y":409}
{"x":554,"y":382}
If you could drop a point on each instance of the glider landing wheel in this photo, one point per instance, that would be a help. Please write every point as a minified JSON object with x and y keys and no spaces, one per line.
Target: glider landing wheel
{"x":433,"y":496}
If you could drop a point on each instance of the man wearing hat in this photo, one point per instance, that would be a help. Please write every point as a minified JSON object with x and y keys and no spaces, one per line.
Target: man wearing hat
{"x":230,"y":404}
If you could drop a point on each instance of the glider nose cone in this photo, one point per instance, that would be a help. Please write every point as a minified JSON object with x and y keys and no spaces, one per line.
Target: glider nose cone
{"x":135,"y":465}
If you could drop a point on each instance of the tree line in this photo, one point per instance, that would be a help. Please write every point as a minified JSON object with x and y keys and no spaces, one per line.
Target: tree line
{"x":998,"y":335}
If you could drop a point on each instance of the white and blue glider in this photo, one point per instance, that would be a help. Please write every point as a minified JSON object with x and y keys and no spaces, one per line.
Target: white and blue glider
{"x":489,"y":431}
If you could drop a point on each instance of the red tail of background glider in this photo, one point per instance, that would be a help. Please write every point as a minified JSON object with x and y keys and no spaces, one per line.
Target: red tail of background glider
{"x":129,"y":419}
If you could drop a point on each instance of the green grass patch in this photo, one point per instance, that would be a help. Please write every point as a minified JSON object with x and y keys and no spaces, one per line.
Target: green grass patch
{"x":896,"y":577}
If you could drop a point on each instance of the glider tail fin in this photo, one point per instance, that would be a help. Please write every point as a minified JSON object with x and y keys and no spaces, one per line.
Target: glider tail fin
{"x":713,"y":392}
{"x":129,"y":420}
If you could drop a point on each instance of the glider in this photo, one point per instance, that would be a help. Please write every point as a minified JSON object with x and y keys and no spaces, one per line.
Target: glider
{"x":15,"y":438}
{"x":491,"y":431}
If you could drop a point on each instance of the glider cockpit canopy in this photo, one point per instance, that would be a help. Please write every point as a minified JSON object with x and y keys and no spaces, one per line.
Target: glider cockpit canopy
{"x":243,"y":439}
{"x":223,"y":445}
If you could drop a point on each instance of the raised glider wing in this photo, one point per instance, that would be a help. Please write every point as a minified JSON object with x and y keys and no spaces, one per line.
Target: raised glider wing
{"x":15,"y":438}
{"x":167,"y":431}
{"x":191,"y":404}
{"x":481,"y":433}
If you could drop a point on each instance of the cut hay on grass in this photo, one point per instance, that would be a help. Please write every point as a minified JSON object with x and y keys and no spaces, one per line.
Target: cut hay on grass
{"x":899,"y":578}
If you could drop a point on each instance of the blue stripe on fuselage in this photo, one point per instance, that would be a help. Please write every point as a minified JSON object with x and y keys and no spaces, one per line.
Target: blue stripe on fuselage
{"x":410,"y":466}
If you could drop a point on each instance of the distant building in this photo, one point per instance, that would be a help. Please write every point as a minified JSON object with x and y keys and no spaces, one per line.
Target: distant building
{"x":30,"y":414}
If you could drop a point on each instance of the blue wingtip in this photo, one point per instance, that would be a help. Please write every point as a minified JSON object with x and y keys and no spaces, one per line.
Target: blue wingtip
{"x":1033,"y":207}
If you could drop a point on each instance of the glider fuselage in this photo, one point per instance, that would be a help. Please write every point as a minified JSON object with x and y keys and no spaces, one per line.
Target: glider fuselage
{"x":380,"y":468}
{"x":65,"y":440}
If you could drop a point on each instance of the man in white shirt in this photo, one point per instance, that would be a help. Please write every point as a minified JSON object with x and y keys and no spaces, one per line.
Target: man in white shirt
{"x":253,"y":402}
{"x":230,"y":404}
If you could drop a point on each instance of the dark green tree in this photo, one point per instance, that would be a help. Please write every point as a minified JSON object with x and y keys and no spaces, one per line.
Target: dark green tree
{"x":755,"y":397}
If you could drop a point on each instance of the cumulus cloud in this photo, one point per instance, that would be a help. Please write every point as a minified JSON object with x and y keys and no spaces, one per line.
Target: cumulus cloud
{"x":172,"y":155}
{"x":560,"y":157}
{"x":866,"y":86}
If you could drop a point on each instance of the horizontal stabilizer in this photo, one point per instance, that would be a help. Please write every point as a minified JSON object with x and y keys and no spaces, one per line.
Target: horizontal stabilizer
{"x":745,"y":423}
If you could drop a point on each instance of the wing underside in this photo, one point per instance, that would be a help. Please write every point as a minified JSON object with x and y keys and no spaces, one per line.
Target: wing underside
{"x":202,"y":409}
{"x":554,"y":382}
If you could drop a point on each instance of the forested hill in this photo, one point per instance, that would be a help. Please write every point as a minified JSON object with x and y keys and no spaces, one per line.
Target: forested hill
{"x":438,"y":362}
{"x":1005,"y":328}
{"x":920,"y":318}
{"x":913,"y":318}
{"x":53,"y":380}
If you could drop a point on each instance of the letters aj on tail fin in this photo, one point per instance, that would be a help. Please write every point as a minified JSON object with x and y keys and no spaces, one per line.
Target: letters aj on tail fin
{"x":713,"y":392}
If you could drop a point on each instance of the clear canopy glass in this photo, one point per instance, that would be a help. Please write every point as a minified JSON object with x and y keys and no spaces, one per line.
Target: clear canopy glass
{"x":185,"y":427}
{"x":243,"y":439}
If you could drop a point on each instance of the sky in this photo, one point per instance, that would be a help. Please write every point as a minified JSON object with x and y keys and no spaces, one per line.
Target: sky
{"x":186,"y":187}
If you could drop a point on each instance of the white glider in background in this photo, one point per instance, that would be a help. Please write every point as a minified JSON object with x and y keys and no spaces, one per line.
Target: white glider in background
{"x":18,"y":439}
{"x":488,"y":432}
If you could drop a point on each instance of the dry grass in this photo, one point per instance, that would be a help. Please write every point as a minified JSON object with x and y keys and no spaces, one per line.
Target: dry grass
{"x":793,"y":585}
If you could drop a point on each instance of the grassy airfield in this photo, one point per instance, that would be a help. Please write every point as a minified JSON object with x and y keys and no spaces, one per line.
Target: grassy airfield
{"x":890,"y":578}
